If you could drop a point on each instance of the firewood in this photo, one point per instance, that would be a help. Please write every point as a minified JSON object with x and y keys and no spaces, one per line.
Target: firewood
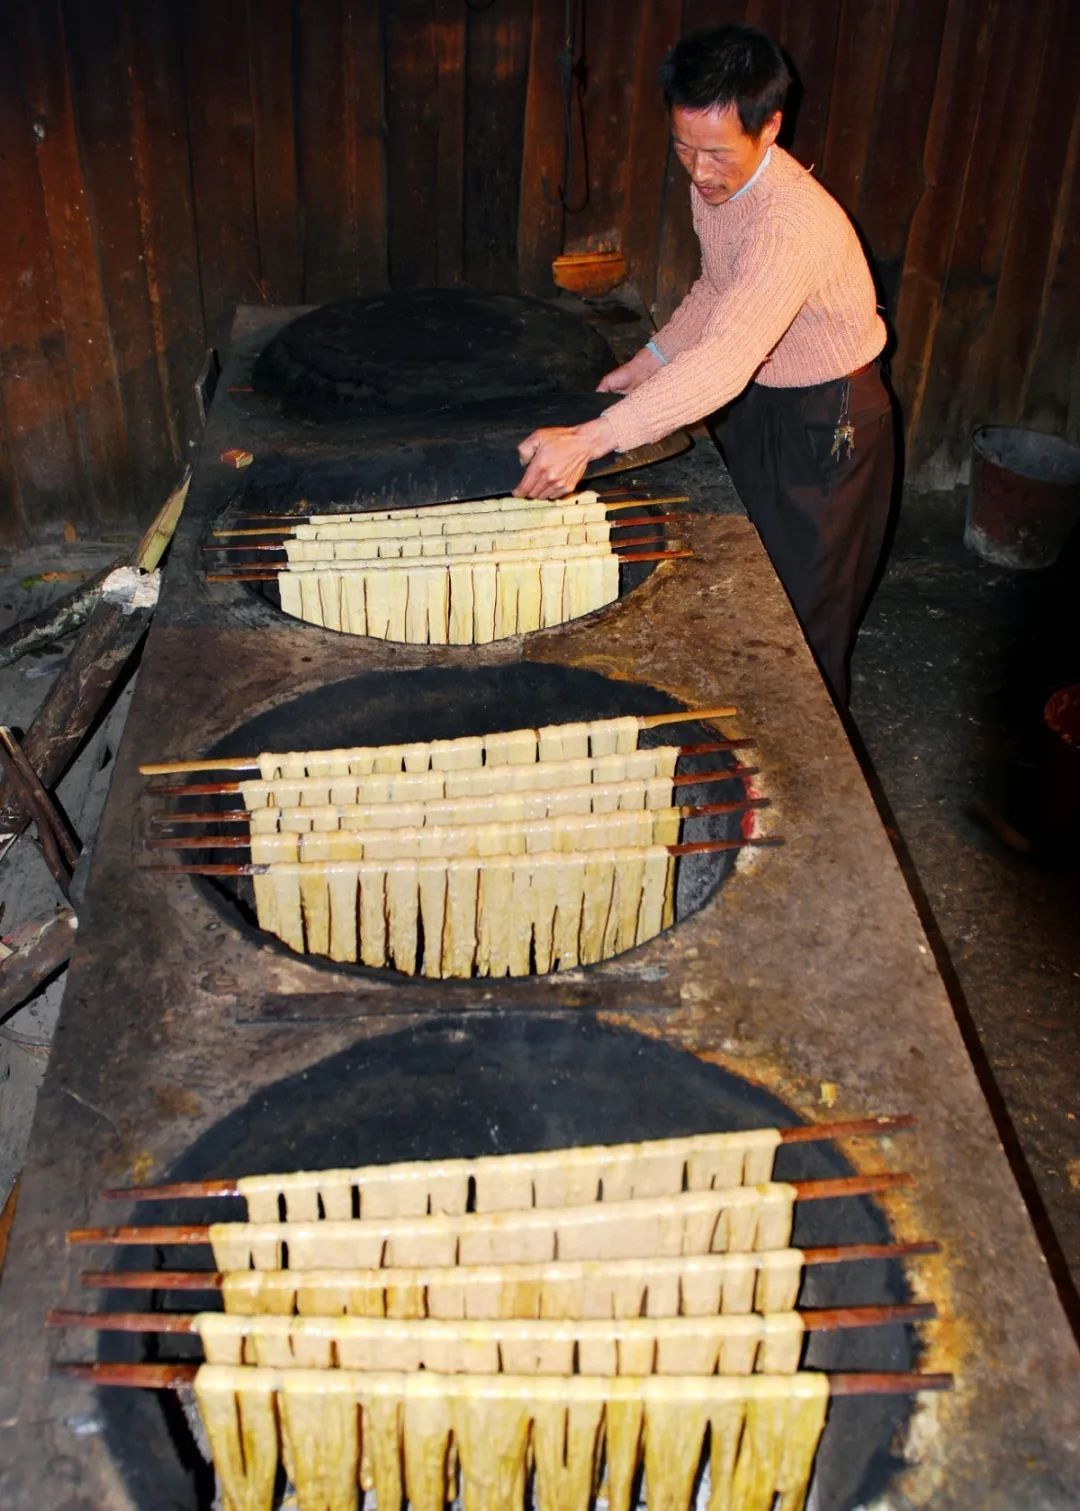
{"x":95,"y":664}
{"x":39,"y":949}
{"x":65,"y":615}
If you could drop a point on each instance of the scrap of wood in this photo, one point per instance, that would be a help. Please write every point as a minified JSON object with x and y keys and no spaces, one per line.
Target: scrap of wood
{"x":60,"y":848}
{"x":38,"y":950}
{"x":110,"y":636}
{"x":52,"y":622}
{"x":73,"y":609}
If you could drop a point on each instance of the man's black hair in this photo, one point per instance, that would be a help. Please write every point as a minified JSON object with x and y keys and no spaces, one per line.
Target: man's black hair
{"x":727,"y":65}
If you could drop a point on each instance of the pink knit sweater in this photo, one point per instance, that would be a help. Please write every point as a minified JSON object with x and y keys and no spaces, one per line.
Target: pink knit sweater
{"x":785,"y":297}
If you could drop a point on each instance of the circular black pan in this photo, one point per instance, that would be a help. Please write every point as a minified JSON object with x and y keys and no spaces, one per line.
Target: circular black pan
{"x":501,"y":1084}
{"x":427,"y":351}
{"x":631,"y":573}
{"x":446,"y":702}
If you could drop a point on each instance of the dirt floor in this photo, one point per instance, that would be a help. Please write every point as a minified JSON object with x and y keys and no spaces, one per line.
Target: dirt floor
{"x":953,"y":666}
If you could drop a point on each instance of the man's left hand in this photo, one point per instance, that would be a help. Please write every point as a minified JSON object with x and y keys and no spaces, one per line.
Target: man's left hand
{"x":557,"y":456}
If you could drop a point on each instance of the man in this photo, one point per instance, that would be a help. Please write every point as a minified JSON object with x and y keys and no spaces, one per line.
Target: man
{"x":785,"y":310}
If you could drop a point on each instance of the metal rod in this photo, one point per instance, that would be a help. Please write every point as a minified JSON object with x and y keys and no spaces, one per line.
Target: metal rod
{"x":231,"y":842}
{"x":859,"y":1253}
{"x":214,"y":1280}
{"x":806,"y":1133}
{"x":206,"y":870}
{"x":612,"y":499}
{"x":805,"y":1190}
{"x":204,"y":816}
{"x":169,"y":1376}
{"x":687,"y":779}
{"x":243,"y":841}
{"x":136,"y":1376}
{"x":835,"y":1318}
{"x":152,"y":1280}
{"x":622,"y":524}
{"x":273,"y":576}
{"x":243,"y":816}
{"x":200,"y":842}
{"x":875,"y":1127}
{"x":125,"y":1322}
{"x":886,"y":1384}
{"x":717,"y":846}
{"x":821,"y":1320}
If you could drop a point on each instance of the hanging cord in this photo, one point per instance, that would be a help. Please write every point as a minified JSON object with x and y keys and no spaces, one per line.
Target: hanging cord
{"x":572,"y":73}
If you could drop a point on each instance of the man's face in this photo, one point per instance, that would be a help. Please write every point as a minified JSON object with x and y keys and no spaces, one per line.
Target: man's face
{"x":716,"y":151}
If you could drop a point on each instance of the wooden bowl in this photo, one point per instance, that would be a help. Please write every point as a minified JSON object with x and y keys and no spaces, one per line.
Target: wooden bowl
{"x":589,"y":272}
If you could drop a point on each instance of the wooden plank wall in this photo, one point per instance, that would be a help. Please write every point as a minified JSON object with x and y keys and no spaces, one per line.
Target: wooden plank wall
{"x":163,"y":160}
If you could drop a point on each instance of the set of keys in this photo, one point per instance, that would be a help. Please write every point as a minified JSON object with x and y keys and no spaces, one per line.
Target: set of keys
{"x":843,"y":441}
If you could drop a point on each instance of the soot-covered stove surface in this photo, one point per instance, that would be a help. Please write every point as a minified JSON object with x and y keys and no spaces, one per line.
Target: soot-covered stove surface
{"x":807,"y":973}
{"x":449,"y":702}
{"x":435,"y":387}
{"x":528,"y":1082}
{"x":427,"y":352}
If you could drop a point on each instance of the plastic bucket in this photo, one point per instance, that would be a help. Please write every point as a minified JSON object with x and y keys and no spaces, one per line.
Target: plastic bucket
{"x":1024,"y":498}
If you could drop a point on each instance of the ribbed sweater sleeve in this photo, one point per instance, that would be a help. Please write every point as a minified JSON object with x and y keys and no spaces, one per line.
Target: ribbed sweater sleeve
{"x":785,"y":297}
{"x":745,"y":321}
{"x":688,"y":321}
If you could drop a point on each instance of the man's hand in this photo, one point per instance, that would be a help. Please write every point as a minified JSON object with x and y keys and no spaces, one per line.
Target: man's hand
{"x":558,"y":455}
{"x":631,"y":374}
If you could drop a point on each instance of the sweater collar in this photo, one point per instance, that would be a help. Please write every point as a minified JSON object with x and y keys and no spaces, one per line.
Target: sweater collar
{"x":744,"y":201}
{"x":752,"y":180}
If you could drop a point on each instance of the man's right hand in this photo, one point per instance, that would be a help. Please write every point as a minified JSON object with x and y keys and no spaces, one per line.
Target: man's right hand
{"x":631,"y":374}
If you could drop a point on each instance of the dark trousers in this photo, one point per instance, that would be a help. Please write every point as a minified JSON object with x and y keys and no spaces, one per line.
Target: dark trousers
{"x":821,"y":510}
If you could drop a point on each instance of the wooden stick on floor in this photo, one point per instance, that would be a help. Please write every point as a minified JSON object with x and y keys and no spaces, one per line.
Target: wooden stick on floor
{"x":59,"y":847}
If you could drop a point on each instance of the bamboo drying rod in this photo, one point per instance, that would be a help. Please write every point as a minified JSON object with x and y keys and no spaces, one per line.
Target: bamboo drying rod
{"x":612,"y":504}
{"x":243,"y":815}
{"x":173,"y":1376}
{"x":801,"y":1133}
{"x":241,"y":842}
{"x":199,"y":1233}
{"x":250,"y":763}
{"x":214,"y":1280}
{"x":622,"y":524}
{"x":210,"y":789}
{"x":814,"y":1320}
{"x":343,"y":566}
{"x":602,"y":547}
{"x":689,"y":847}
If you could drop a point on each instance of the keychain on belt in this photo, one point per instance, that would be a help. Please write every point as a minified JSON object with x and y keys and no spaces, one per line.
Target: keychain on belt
{"x":843,"y":441}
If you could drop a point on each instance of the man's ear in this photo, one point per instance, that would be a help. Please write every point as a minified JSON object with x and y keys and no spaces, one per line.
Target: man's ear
{"x":771,"y":129}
